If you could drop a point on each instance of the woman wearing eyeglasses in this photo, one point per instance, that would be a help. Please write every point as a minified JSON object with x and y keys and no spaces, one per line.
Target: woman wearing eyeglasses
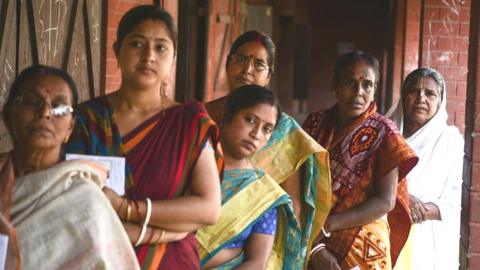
{"x":60,"y":214}
{"x":291,"y":157}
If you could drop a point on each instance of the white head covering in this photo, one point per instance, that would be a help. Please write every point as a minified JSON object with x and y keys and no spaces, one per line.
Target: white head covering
{"x":438,"y":121}
{"x":436,"y":178}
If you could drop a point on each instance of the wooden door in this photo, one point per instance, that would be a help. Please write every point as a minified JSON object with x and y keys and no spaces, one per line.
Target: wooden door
{"x":67,"y":34}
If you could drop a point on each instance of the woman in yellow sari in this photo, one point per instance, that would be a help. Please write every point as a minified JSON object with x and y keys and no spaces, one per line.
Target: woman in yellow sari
{"x":252,"y":202}
{"x":291,"y":157}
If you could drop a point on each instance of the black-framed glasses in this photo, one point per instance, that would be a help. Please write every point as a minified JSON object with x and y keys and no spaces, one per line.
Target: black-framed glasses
{"x":58,"y":109}
{"x":242,"y":60}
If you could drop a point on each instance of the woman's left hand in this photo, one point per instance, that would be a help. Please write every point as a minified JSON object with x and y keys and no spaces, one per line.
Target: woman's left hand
{"x":418,"y":211}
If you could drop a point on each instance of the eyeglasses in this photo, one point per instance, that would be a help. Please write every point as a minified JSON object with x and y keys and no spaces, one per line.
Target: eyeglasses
{"x":242,"y":60}
{"x":56,"y":109}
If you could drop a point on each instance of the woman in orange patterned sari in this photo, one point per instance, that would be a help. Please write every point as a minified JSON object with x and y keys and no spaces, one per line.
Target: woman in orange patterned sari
{"x":369,"y":159}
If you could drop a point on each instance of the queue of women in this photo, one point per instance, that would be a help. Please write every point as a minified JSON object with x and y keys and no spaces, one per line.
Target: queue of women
{"x":235,"y":183}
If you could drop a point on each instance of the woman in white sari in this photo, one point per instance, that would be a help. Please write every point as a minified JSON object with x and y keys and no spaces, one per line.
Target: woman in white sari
{"x":435,"y":183}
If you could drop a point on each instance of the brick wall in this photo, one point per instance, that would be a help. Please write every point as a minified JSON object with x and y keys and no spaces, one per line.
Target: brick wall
{"x":444,"y":46}
{"x":470,"y":244}
{"x":412,"y":36}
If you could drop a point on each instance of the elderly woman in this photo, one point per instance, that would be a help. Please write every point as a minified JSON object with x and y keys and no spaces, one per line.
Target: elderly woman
{"x":369,"y":159}
{"x":291,"y":157}
{"x":434,"y":185}
{"x":62,"y":217}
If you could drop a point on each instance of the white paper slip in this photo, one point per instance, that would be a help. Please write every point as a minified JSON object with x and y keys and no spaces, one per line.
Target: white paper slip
{"x":356,"y":268}
{"x":116,"y":170}
{"x":3,"y":250}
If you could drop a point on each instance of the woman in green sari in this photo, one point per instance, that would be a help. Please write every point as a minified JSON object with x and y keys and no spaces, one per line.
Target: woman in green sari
{"x":252,"y":202}
{"x":291,"y":157}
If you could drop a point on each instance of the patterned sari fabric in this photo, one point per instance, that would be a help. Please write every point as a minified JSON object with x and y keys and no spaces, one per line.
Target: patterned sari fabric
{"x":247,"y":195}
{"x":7,"y":181}
{"x":289,"y":149}
{"x":360,"y":154}
{"x":160,"y":156}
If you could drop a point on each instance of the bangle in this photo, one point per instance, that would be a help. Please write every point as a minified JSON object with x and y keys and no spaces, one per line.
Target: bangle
{"x":129,"y":211}
{"x":161,"y":236}
{"x":325,"y":233}
{"x":152,"y":236}
{"x":120,"y":207}
{"x":145,"y":223}
{"x":317,"y":248}
{"x":137,"y":212}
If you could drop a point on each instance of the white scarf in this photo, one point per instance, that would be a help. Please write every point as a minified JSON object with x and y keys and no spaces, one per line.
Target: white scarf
{"x":64,"y":221}
{"x":436,"y":178}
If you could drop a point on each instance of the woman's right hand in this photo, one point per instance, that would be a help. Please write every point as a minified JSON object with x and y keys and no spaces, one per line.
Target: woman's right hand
{"x":323,"y":260}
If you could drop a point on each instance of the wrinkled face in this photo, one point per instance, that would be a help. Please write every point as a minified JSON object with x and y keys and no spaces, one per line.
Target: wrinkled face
{"x":355,"y":90}
{"x":146,"y":55}
{"x":40,"y":117}
{"x":248,"y":130}
{"x":421,"y":100}
{"x":248,"y":65}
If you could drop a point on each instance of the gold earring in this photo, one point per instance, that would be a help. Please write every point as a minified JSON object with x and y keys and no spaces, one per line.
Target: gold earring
{"x":66,"y":139}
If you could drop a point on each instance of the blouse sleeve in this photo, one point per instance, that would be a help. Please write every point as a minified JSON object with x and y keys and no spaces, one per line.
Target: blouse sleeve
{"x":266,"y":224}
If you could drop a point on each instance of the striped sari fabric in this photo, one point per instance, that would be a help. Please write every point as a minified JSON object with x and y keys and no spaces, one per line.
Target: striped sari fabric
{"x":160,"y":156}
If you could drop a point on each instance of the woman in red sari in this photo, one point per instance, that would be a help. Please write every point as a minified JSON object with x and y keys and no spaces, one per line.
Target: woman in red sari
{"x":172,"y":170}
{"x":369,"y":159}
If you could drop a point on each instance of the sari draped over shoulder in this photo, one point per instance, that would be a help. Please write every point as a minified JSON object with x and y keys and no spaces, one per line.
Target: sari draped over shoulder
{"x":361,"y":153}
{"x":160,"y":156}
{"x":289,"y":149}
{"x":437,"y":178}
{"x":7,"y":181}
{"x":247,"y":194}
{"x":64,"y":221}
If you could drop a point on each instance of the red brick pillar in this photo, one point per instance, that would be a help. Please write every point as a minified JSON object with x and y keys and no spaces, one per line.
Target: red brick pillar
{"x":444,"y":46}
{"x":412,"y":38}
{"x":470,"y":242}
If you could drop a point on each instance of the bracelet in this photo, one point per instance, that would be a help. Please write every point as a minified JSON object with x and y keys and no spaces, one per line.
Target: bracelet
{"x":120,"y":206}
{"x":161,"y":236}
{"x":129,"y":211}
{"x":145,"y":223}
{"x":137,"y":210}
{"x":325,"y":233}
{"x":317,"y":248}
{"x":152,"y":237}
